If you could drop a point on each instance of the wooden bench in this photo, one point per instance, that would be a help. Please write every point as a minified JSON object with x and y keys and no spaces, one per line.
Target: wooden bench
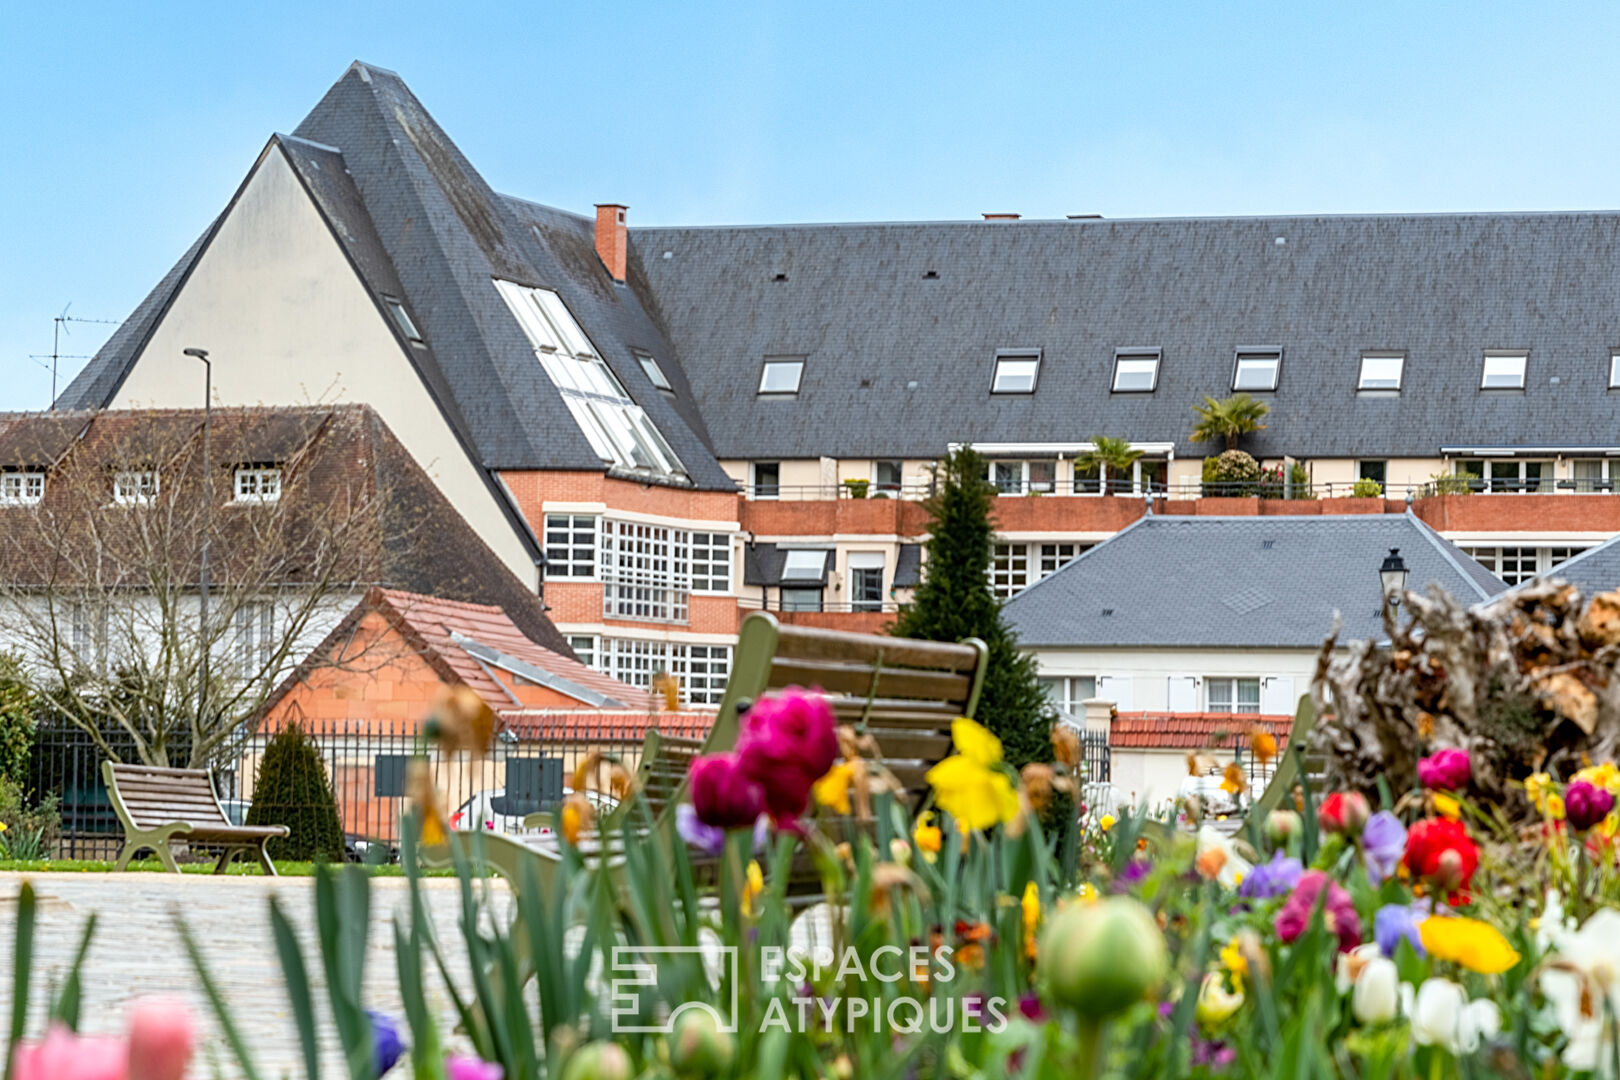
{"x":156,"y":805}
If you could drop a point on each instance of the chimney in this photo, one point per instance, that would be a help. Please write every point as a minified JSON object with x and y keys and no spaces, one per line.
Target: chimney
{"x":990,"y":217}
{"x":612,"y":238}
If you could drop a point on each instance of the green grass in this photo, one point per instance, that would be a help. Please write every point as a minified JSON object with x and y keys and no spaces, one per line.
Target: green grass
{"x":286,"y":868}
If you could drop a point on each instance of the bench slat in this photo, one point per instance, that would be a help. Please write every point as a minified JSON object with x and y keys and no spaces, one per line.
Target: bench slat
{"x":855,"y":679}
{"x":811,"y":644}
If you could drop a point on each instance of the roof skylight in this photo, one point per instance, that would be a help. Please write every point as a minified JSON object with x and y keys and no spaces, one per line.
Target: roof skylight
{"x":1257,"y":369}
{"x":1136,"y":371}
{"x":1016,"y":372}
{"x":781,"y":375}
{"x":1381,"y":371}
{"x":406,"y":326}
{"x":1503,"y":371}
{"x":654,"y":372}
{"x":804,"y":565}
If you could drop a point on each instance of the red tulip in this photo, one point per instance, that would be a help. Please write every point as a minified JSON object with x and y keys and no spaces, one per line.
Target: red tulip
{"x":723,"y":794}
{"x":1440,"y":852}
{"x":1343,"y":812}
{"x":1446,"y":770}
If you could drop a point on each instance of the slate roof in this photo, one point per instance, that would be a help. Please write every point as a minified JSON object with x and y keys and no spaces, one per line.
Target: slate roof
{"x":1238,"y":582}
{"x":898,"y":365}
{"x":1595,"y":570}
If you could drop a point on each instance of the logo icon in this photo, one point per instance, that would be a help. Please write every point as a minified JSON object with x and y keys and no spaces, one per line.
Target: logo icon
{"x":636,"y":966}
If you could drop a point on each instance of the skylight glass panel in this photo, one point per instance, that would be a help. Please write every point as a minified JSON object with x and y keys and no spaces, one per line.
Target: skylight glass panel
{"x":1614,"y":370}
{"x":1256,"y":369}
{"x":619,"y":431}
{"x":804,"y":566}
{"x":654,"y":372}
{"x":1381,"y":372}
{"x":1136,"y":372}
{"x":403,"y":318}
{"x":1503,"y":372}
{"x":1015,"y":373}
{"x":781,"y":376}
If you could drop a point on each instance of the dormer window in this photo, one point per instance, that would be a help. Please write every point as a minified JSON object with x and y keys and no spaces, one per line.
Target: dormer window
{"x":1016,"y":371}
{"x":781,"y":375}
{"x":1136,"y":371}
{"x":21,"y":488}
{"x":655,"y":374}
{"x":1381,"y":371}
{"x":135,"y":487}
{"x":406,"y":325}
{"x":1257,"y":369}
{"x":1503,"y":371}
{"x":258,"y":484}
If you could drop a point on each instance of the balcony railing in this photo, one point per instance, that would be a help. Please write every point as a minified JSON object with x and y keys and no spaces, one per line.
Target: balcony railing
{"x":642,"y":602}
{"x":1195,"y":489}
{"x":858,"y":607}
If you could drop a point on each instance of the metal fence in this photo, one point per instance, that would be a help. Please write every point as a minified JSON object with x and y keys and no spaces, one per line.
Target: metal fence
{"x":364,"y":764}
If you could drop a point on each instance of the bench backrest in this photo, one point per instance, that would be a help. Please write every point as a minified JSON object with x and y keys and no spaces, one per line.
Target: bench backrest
{"x":150,"y":796}
{"x":664,"y":761}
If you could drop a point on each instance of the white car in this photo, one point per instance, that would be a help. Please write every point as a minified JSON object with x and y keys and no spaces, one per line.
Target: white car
{"x":488,"y":810}
{"x":1217,"y":802}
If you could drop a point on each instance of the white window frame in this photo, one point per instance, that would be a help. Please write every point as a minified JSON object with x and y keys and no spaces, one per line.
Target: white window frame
{"x":256,"y":484}
{"x":1605,"y":475}
{"x":801,"y":597}
{"x":1054,"y":555}
{"x":1372,"y":379}
{"x":136,"y":487}
{"x":253,"y":632}
{"x":1614,"y":369}
{"x":1012,"y":367}
{"x":1510,"y":366}
{"x":655,"y":373}
{"x":1009,"y":569}
{"x":1132,"y":363}
{"x":861,"y":565}
{"x":403,"y":320}
{"x":571,"y":542}
{"x":700,"y":671}
{"x":1024,"y":483}
{"x":899,"y":481}
{"x":711,"y":563}
{"x":646,"y":572}
{"x":780,"y":376}
{"x":1231,"y":684}
{"x":20,"y":488}
{"x":801,"y":564}
{"x":1069,"y":693}
{"x":587,"y":649}
{"x":1517,"y":484}
{"x":1257,"y":358}
{"x":1517,"y":563}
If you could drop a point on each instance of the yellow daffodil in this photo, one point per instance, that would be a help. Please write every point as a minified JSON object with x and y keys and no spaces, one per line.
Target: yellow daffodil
{"x":423,"y":796}
{"x":575,"y":817}
{"x":926,"y":835}
{"x":1088,"y":893}
{"x":1106,"y":822}
{"x":832,"y":790}
{"x":969,"y":785}
{"x":1215,"y":1005}
{"x":1032,"y":917}
{"x":1232,"y":960}
{"x":1537,"y":786}
{"x":752,"y":887}
{"x":1475,"y":945}
{"x":1605,"y":776}
{"x":1447,"y":806}
{"x":1233,"y":782}
{"x":1553,"y":807}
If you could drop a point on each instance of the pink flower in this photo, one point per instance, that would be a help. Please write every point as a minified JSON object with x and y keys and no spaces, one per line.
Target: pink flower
{"x":1338,"y":914}
{"x":161,"y":1037}
{"x":724,"y":796}
{"x":1343,"y":812}
{"x":789,"y":741}
{"x":462,"y":1067}
{"x":62,"y":1055}
{"x":1445,"y":770}
{"x":1586,"y":805}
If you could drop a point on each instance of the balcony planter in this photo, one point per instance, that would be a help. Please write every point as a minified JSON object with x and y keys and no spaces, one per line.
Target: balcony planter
{"x":1229,"y":506}
{"x":1290,"y":507}
{"x":1352,"y":505}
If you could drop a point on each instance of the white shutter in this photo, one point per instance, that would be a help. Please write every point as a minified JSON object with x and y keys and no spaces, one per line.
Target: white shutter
{"x":1115,"y":688}
{"x":1277,"y":696}
{"x":1182,"y":694}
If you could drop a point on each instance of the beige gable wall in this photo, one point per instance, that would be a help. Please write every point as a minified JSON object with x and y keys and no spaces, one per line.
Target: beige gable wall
{"x":287,"y":321}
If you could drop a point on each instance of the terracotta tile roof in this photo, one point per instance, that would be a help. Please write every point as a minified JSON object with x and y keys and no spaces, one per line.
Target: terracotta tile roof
{"x":446,"y":625}
{"x":1190,"y":731}
{"x":604,"y":726}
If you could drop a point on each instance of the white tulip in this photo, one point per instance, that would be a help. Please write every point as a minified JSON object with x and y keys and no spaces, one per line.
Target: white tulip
{"x":1583,"y":973}
{"x":1443,"y":1016}
{"x":1376,"y":997}
{"x":1351,"y":964}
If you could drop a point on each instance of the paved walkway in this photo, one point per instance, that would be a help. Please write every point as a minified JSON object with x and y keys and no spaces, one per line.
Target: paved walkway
{"x":137,"y":952}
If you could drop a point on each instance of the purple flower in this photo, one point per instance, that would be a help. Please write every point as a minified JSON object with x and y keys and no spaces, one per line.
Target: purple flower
{"x":1445,"y":770}
{"x":1586,"y":805}
{"x":1338,"y":914}
{"x":1134,"y":872}
{"x":1394,"y":922}
{"x":1272,"y":879}
{"x":1030,"y":1008}
{"x":1383,"y":842}
{"x":386,"y":1045}
{"x":709,"y":839}
{"x":1211,"y":1054}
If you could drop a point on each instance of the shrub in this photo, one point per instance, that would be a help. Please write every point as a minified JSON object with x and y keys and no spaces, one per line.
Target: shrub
{"x":16,"y":720}
{"x":857,"y":488}
{"x":1451,"y":484}
{"x":1232,"y":472}
{"x":1297,"y":487}
{"x":31,"y":832}
{"x":1367,"y":489}
{"x":292,"y":789}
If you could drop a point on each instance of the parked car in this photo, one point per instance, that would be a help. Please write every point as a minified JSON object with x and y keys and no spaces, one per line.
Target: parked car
{"x":1219,"y":805}
{"x":493,"y":812}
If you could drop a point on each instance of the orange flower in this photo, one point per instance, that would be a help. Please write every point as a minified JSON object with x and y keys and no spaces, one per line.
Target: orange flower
{"x":1232,"y":779}
{"x":1210,"y":862}
{"x":1037,"y":782}
{"x":575,"y":817}
{"x":1263,"y":744}
{"x":460,"y":720}
{"x":423,"y":796}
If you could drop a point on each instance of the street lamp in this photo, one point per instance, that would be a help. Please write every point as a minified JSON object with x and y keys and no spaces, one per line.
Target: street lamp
{"x":1392,"y":574}
{"x":208,"y":514}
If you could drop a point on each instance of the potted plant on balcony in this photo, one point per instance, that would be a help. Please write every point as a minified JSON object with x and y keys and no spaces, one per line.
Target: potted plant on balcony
{"x":1108,"y":458}
{"x":1233,"y":474}
{"x":857,"y":488}
{"x":1228,"y":419}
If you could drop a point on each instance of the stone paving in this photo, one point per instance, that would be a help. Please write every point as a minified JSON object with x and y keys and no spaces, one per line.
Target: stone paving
{"x":137,"y":952}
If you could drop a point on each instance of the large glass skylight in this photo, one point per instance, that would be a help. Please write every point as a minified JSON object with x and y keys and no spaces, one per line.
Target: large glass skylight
{"x":781,"y":375}
{"x":1503,"y":371}
{"x":616,"y":427}
{"x":1381,"y":371}
{"x":804,"y":565}
{"x":1015,"y":372}
{"x":1256,"y":369}
{"x":1136,"y":371}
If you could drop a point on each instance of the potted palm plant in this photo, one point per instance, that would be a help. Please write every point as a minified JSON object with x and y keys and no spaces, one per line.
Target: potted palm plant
{"x":1228,"y":419}
{"x":1108,"y":458}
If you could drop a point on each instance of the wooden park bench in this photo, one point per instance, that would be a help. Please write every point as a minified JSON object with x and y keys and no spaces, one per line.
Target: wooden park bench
{"x":157,"y":805}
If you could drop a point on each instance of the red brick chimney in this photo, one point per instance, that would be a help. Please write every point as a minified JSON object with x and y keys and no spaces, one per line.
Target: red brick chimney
{"x":612,"y":238}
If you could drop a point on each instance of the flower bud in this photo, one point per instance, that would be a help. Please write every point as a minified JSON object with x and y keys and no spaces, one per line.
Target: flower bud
{"x":1344,"y":812}
{"x":1283,"y":825}
{"x":1376,"y":996}
{"x":599,"y":1061}
{"x":697,"y":1046}
{"x":1100,"y":959}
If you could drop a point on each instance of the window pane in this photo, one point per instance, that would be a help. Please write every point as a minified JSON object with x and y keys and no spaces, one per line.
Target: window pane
{"x":1256,"y":371}
{"x":887,"y":474}
{"x":1015,"y":374}
{"x":1042,"y":475}
{"x":1248,"y":695}
{"x":781,"y":377}
{"x":767,"y":479}
{"x":1372,"y":470}
{"x":1135,"y":373}
{"x":1381,"y":372}
{"x":801,"y":599}
{"x":1218,"y":695}
{"x":1503,"y":373}
{"x":1614,"y":370}
{"x":1008,"y":476}
{"x":654,"y":372}
{"x":804,"y":565}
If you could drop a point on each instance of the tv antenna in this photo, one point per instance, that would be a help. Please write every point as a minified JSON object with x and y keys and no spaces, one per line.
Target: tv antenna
{"x":56,"y":353}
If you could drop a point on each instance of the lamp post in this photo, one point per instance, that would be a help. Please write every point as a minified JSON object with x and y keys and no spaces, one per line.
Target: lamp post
{"x":1392,"y":575}
{"x":208,"y":516}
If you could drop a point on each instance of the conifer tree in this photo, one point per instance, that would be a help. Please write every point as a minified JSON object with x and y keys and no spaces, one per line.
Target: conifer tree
{"x":955,"y":602}
{"x":293,"y":790}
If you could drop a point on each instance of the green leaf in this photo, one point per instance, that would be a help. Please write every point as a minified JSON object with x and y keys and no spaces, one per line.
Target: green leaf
{"x":296,"y":980}
{"x":222,"y":1013}
{"x":65,"y":1006}
{"x":23,"y":962}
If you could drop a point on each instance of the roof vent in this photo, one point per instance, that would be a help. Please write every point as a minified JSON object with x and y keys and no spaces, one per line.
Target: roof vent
{"x":1266,"y":545}
{"x":866,"y":384}
{"x":779,"y":277}
{"x":1001,"y":217}
{"x":1281,"y":241}
{"x":931,"y":275}
{"x":1108,"y":611}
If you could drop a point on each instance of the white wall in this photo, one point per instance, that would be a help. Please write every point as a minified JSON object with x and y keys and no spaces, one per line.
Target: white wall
{"x":1145,"y":674}
{"x":288,"y":322}
{"x":1149,"y":777}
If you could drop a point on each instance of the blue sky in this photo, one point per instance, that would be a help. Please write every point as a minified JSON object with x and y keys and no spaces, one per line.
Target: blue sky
{"x":126,"y":127}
